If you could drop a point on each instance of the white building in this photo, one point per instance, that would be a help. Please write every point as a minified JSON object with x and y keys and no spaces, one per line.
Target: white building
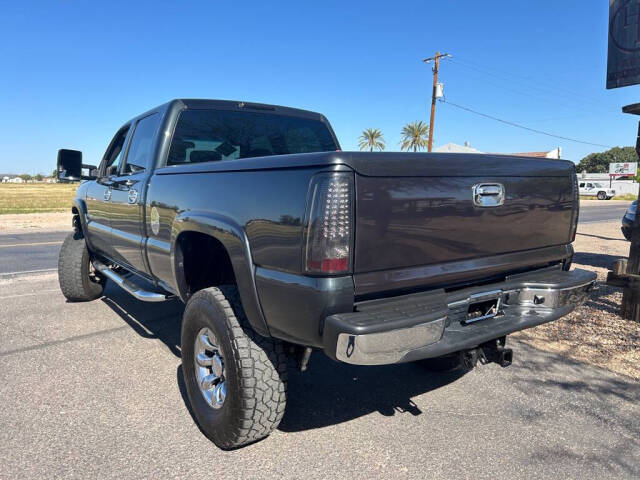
{"x":455,"y":148}
{"x":467,"y":148}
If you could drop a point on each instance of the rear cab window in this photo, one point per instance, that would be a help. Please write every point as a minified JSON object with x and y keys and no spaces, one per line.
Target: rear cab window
{"x":225,"y":135}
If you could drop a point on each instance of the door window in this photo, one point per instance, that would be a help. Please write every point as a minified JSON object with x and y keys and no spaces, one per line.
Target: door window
{"x":113,"y":155}
{"x":140,"y":148}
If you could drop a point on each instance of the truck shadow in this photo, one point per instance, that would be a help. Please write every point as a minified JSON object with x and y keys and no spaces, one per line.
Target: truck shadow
{"x":331,"y":392}
{"x":149,"y":320}
{"x":603,"y":260}
{"x":327,"y":393}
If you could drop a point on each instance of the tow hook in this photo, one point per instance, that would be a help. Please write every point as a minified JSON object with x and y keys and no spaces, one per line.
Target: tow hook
{"x":493,"y":351}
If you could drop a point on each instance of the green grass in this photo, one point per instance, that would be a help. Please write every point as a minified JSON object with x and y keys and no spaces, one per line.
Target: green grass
{"x":36,"y":197}
{"x":626,"y":196}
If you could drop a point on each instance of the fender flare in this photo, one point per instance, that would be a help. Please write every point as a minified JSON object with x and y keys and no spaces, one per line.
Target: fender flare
{"x":234,"y":239}
{"x":81,"y":207}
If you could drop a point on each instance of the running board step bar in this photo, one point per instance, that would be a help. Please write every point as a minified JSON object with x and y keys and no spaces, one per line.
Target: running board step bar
{"x":128,"y":286}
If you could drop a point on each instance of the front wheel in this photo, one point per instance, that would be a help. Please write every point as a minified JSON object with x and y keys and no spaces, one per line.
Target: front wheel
{"x":602,"y":196}
{"x":235,"y":379}
{"x":78,"y":280}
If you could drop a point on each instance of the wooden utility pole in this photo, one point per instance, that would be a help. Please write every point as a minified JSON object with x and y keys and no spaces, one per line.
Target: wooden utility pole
{"x":626,"y":274}
{"x":436,"y":61}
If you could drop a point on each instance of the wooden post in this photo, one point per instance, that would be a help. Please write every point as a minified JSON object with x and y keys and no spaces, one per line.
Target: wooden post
{"x":630,"y":279}
{"x":432,"y":117}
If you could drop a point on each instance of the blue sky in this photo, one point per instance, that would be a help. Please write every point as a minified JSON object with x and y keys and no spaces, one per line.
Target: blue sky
{"x":73,"y":71}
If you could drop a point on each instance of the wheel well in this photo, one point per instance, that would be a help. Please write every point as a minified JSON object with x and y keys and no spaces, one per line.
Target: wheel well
{"x":202,"y":261}
{"x":75,"y":221}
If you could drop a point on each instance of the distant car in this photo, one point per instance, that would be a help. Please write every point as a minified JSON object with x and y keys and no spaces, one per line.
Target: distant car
{"x":592,"y":189}
{"x":627,"y":220}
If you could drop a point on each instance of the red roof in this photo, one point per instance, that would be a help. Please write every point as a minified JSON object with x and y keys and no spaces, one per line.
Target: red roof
{"x":531,"y":154}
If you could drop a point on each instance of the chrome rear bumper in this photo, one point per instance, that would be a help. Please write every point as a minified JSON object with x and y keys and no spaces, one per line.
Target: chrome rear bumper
{"x":432,"y":324}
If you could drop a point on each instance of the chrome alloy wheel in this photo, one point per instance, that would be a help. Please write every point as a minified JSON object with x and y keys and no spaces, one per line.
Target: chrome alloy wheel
{"x":210,"y":368}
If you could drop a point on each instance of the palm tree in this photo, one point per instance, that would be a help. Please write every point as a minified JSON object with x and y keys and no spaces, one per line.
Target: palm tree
{"x":415,"y":135}
{"x":371,"y":138}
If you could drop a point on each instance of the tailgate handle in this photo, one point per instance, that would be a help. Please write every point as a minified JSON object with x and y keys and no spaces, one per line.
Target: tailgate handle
{"x":488,"y":194}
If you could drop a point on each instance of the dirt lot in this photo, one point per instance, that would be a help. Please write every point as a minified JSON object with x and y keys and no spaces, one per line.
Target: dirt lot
{"x":34,"y":222}
{"x":595,"y":333}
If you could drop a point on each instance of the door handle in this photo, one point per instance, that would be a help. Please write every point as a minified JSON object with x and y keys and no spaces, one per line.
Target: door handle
{"x":133,"y":196}
{"x":107,"y":194}
{"x":488,"y":194}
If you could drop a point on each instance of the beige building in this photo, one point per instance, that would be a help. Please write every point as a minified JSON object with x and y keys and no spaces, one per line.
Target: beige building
{"x":467,"y":148}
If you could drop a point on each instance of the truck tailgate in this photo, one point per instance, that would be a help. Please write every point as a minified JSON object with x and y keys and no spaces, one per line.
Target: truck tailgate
{"x":422,"y":212}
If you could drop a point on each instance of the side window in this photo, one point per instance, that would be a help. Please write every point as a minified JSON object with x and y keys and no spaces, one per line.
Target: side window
{"x":582,"y":185}
{"x":589,"y":185}
{"x":113,"y":156}
{"x":140,"y":148}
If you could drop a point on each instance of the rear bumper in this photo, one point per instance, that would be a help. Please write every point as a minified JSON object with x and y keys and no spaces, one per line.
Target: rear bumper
{"x":426,"y":325}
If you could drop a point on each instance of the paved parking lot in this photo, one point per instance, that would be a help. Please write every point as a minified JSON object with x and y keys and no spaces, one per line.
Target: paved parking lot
{"x":95,"y":391}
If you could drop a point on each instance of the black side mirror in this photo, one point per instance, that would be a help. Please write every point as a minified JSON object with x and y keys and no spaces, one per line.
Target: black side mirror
{"x":70,"y":166}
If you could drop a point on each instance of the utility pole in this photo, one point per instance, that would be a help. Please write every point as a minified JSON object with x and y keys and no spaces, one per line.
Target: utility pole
{"x":436,"y":61}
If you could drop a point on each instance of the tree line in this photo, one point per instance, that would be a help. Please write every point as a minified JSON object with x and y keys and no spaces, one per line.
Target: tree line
{"x":415,"y":136}
{"x":598,"y":162}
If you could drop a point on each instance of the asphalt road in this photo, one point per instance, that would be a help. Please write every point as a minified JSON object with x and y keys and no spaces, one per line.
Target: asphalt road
{"x":95,"y":390}
{"x":605,"y":212}
{"x":29,"y":251}
{"x":39,"y":251}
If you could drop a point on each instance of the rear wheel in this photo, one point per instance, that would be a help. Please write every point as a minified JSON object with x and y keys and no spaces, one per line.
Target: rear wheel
{"x":602,"y":196}
{"x":235,"y":379}
{"x":78,"y":280}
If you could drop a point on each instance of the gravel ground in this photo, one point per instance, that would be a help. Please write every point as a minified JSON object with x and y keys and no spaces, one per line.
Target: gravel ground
{"x":595,"y":333}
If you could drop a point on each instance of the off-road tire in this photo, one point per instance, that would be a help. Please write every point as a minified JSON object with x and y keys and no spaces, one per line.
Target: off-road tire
{"x":77,"y":281}
{"x":602,"y":196}
{"x":255,"y":370}
{"x":447,"y":363}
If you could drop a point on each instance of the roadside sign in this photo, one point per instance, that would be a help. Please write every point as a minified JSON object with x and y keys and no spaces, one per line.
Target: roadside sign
{"x":620,"y":169}
{"x":623,"y":59}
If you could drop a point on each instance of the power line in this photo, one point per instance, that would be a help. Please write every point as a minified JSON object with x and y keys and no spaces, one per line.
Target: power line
{"x":536,"y":84}
{"x":523,"y":127}
{"x":557,"y":98}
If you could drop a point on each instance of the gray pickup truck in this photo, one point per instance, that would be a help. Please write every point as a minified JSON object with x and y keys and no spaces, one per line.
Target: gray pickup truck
{"x":280,"y":243}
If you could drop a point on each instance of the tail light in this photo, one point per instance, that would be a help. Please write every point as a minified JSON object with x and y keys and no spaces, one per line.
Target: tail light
{"x":329,"y":229}
{"x":576,"y":207}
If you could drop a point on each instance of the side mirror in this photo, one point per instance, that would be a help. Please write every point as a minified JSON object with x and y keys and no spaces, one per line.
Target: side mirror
{"x":70,"y":166}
